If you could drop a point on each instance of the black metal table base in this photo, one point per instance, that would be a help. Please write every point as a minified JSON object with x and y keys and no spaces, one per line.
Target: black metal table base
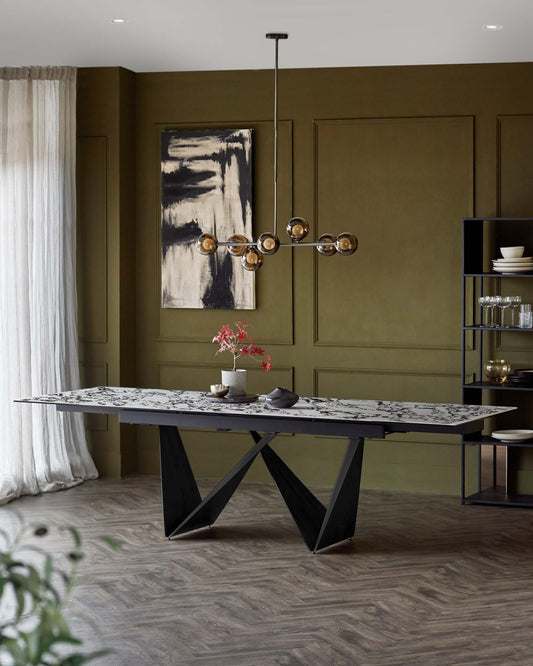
{"x":184,"y":510}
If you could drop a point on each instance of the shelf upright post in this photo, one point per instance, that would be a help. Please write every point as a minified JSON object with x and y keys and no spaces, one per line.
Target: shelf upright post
{"x":480,"y":338}
{"x":480,"y":376}
{"x":463,"y":365}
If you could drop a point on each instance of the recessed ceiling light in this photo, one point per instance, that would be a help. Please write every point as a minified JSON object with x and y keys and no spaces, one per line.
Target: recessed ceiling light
{"x":492,"y":26}
{"x":118,"y":20}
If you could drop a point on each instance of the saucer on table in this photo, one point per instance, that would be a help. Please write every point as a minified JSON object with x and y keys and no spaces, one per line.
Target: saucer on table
{"x":233,"y":399}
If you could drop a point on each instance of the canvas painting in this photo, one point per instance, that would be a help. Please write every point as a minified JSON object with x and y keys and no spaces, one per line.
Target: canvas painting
{"x":206,"y":178}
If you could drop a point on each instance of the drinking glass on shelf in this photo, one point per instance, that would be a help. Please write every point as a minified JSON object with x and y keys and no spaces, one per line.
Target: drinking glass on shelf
{"x":486,"y":305}
{"x":505,"y":302}
{"x":525,"y":316}
{"x":495,"y":302}
{"x":515,"y":306}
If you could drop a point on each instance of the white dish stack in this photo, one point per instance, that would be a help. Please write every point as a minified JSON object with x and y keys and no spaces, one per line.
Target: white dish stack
{"x":513,"y":261}
{"x":512,"y":435}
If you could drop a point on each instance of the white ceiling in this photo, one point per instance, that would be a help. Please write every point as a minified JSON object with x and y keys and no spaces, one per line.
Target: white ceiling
{"x":172,"y":35}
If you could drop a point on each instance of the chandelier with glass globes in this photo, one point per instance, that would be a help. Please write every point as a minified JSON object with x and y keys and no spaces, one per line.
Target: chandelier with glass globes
{"x":252,"y":252}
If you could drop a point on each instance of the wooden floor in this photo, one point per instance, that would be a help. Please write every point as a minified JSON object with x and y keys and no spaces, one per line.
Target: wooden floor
{"x":424,"y":581}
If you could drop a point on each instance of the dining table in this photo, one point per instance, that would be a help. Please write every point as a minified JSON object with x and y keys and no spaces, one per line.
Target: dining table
{"x":354,"y":420}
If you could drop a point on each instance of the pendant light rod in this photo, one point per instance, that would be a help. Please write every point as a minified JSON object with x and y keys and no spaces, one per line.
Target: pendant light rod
{"x":276,"y":142}
{"x":306,"y":244}
{"x":276,"y":36}
{"x":251,"y":252}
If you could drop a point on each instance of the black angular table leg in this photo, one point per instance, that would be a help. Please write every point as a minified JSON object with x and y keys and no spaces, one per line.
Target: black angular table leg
{"x":341,"y":515}
{"x":321,"y":527}
{"x":184,"y":510}
{"x":179,"y":491}
{"x":308,"y":512}
{"x":209,"y":509}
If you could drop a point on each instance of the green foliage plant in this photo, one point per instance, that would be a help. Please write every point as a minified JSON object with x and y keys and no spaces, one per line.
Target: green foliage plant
{"x":34,"y":596}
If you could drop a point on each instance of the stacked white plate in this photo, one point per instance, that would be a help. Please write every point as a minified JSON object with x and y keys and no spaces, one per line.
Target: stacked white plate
{"x":512,"y":435}
{"x":518,"y":265}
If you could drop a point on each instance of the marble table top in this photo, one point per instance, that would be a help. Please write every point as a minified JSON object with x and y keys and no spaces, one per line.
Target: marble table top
{"x":116,"y":399}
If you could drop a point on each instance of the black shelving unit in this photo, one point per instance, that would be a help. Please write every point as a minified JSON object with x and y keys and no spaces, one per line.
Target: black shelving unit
{"x":496,"y":387}
{"x":481,"y":239}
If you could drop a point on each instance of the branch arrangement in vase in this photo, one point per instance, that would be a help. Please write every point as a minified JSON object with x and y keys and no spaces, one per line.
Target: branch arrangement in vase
{"x":239,"y":344}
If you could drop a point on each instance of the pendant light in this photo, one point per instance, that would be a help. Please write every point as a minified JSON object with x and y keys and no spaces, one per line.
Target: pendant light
{"x":252,"y":252}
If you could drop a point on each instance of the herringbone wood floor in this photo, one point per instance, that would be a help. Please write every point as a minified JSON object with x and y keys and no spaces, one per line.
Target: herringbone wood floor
{"x":425,"y":581}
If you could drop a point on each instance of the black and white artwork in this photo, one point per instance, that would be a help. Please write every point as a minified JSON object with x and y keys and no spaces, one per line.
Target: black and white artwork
{"x":206,"y":178}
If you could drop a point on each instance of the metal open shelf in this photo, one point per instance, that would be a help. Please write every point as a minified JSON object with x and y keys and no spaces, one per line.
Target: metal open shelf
{"x":477,"y":235}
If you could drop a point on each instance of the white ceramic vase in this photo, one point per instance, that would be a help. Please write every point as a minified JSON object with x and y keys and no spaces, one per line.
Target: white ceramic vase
{"x":236,"y":380}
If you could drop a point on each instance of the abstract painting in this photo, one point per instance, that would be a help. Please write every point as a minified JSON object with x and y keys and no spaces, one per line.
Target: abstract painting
{"x":206,"y":178}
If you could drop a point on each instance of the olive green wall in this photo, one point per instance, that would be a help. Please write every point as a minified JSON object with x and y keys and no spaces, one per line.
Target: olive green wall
{"x":106,"y":252}
{"x":397,"y":155}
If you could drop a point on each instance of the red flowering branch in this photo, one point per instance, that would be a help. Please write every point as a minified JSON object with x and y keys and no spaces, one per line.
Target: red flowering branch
{"x":239,"y":344}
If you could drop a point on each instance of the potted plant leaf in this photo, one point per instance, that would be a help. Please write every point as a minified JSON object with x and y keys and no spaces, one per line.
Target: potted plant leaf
{"x":35,"y":591}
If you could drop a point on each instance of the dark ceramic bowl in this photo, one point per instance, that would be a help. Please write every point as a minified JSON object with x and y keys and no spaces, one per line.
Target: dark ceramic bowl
{"x":282,"y":398}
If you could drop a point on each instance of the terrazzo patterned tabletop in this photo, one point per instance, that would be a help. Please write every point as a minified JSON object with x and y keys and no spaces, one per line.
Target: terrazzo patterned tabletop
{"x":116,"y":399}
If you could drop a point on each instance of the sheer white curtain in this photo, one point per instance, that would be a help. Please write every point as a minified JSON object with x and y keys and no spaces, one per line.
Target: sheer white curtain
{"x":40,"y":449}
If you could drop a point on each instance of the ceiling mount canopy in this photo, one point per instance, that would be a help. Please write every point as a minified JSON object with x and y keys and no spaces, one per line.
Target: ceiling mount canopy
{"x":252,"y":252}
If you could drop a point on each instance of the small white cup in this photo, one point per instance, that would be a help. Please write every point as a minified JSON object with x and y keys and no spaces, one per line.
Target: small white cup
{"x":512,"y":252}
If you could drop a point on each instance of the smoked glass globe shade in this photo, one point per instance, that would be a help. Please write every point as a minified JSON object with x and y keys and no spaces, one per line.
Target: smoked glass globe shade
{"x":252,"y":259}
{"x":207,"y":244}
{"x":237,"y":250}
{"x":297,"y":228}
{"x":346,"y":243}
{"x":326,"y":250}
{"x":268,"y":243}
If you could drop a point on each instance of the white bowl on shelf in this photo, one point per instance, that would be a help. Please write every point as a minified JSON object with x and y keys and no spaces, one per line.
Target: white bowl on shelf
{"x":512,"y":251}
{"x":512,"y":435}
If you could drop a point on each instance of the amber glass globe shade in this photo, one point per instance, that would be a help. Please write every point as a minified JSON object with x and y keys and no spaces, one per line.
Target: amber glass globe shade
{"x":207,"y":244}
{"x":239,"y":250}
{"x":268,"y":243}
{"x":252,"y":259}
{"x":326,"y":250}
{"x":297,"y":228}
{"x":346,"y":243}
